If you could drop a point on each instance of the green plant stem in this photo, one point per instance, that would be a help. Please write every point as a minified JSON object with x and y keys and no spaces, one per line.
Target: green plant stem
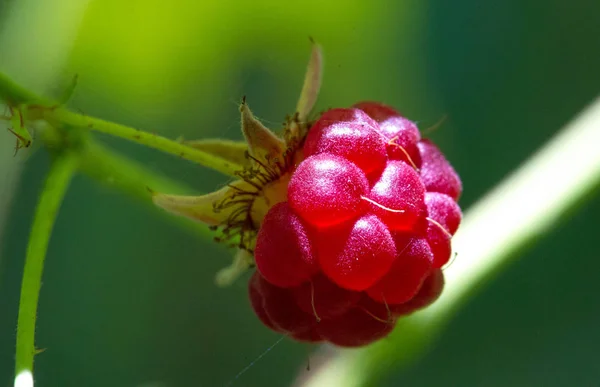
{"x":15,"y":94}
{"x":109,"y":167}
{"x":59,"y":116}
{"x":57,"y":182}
{"x":119,"y":172}
{"x":494,"y":231}
{"x":63,"y":116}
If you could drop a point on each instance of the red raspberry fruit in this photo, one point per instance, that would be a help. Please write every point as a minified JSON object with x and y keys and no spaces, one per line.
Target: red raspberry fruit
{"x":402,"y":136}
{"x":277,"y":307}
{"x":400,"y":133}
{"x":323,"y":298}
{"x":398,"y":197}
{"x":440,"y":244}
{"x":370,"y":212}
{"x":376,"y":110}
{"x":404,"y":279}
{"x":379,"y":311}
{"x":436,"y":172}
{"x":370,"y":215}
{"x":326,"y":190}
{"x":351,"y":134}
{"x":444,"y":210}
{"x":284,"y":254}
{"x":355,"y":328}
{"x":430,"y":291}
{"x":443,"y":219}
{"x":356,"y":255}
{"x":256,"y":301}
{"x":309,"y":336}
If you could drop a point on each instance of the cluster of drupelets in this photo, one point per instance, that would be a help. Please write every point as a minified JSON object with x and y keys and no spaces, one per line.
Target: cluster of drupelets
{"x":364,"y":234}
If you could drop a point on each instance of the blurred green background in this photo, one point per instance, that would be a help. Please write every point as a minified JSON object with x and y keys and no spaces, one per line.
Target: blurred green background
{"x":128,"y":297}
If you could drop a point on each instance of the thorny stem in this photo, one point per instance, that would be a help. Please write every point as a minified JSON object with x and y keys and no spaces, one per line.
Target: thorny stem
{"x":57,"y":182}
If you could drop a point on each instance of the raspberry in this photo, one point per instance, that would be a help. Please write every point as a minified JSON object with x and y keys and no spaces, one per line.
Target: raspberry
{"x":309,"y":336}
{"x":348,"y":217}
{"x":276,"y":306}
{"x":369,"y":219}
{"x":436,"y":172}
{"x":376,"y":110}
{"x":401,"y":134}
{"x":411,"y":267}
{"x":355,"y":328}
{"x":398,"y":197}
{"x":440,"y":244}
{"x":323,"y":298}
{"x":377,"y":310}
{"x":430,"y":291}
{"x":444,"y":217}
{"x":444,"y":210}
{"x":349,"y":133}
{"x":357,"y":254}
{"x":256,"y":301}
{"x":326,"y":190}
{"x":284,"y":253}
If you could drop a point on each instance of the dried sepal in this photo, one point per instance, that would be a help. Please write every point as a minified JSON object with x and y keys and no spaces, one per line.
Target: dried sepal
{"x":242,"y":260}
{"x":214,"y":209}
{"x":233,"y":151}
{"x":263,"y":145}
{"x":68,"y":91}
{"x":312,"y":83}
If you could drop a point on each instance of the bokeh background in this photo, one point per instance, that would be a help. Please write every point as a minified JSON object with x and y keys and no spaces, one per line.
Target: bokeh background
{"x":128,"y":296}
